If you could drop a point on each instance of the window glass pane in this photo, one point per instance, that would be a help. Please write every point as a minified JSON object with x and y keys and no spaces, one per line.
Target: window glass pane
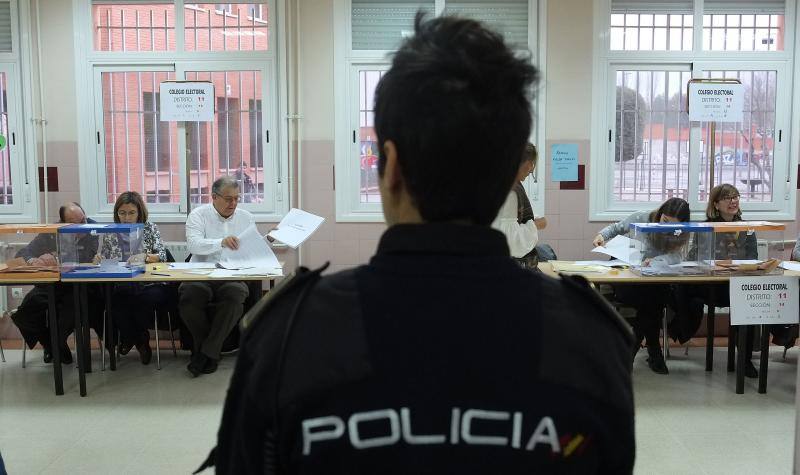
{"x":648,"y":31}
{"x":744,"y":153}
{"x":5,"y":26}
{"x":382,"y":24}
{"x":234,"y":143}
{"x":651,"y":159}
{"x":226,"y":26}
{"x":134,"y":27}
{"x":6,"y":196}
{"x":508,"y":17}
{"x":141,"y":153}
{"x":368,"y":140}
{"x":744,"y":32}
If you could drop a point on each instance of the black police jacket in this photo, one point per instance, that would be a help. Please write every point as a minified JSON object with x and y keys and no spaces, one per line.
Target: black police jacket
{"x":441,"y":355}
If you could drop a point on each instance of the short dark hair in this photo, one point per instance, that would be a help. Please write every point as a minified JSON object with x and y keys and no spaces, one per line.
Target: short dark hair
{"x":456,"y":105}
{"x":131,"y":198}
{"x":675,"y":208}
{"x":63,"y":210}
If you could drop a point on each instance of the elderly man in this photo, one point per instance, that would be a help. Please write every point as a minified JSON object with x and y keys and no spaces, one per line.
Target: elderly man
{"x":31,"y":315}
{"x":209,"y":229}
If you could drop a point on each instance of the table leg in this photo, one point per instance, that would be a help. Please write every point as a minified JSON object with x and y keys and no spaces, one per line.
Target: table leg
{"x":76,"y":293}
{"x":731,"y":349}
{"x":710,"y":329}
{"x":741,"y":332}
{"x":55,"y":344}
{"x":111,"y":334}
{"x":764,"y":363}
{"x":87,"y":341}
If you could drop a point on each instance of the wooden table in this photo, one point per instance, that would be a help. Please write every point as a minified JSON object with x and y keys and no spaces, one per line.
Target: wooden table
{"x":628,"y":277}
{"x":49,"y":281}
{"x":154,"y":273}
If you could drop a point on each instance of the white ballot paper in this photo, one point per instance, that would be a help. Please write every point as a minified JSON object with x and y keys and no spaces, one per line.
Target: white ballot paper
{"x":296,"y":227}
{"x":618,"y":248}
{"x":253,"y":252}
{"x":790,"y":265}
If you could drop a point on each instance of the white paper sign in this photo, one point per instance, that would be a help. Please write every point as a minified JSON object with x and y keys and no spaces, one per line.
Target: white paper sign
{"x":187,"y":101}
{"x":764,"y":300}
{"x":715,"y":102}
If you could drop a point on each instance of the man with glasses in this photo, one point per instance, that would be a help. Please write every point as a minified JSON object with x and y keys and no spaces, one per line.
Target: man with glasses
{"x":31,"y":315}
{"x":209,"y":229}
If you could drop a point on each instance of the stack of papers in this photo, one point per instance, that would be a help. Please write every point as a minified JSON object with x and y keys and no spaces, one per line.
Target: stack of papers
{"x":563,"y":266}
{"x":296,"y":227}
{"x":253,"y":271}
{"x":253,"y":252}
{"x":192,"y":265}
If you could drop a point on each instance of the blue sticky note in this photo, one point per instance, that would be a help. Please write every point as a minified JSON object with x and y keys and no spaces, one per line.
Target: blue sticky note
{"x":564,"y":162}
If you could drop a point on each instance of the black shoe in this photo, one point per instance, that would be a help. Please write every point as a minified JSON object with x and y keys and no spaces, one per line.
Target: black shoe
{"x":750,"y":370}
{"x":197,"y":364}
{"x":124,"y":348}
{"x":211,"y":366}
{"x":655,"y":360}
{"x":145,"y":352}
{"x":48,"y":354}
{"x":66,"y":355}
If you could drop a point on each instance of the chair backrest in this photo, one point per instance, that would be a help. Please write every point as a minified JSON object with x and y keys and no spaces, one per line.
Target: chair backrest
{"x":170,"y":257}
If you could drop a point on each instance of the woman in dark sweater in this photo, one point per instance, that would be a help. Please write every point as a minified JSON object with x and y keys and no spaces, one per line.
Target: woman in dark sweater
{"x":723,"y":206}
{"x":649,"y":300}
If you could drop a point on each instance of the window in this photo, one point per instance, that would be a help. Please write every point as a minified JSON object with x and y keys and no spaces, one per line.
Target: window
{"x":646,"y":150}
{"x":226,"y":27}
{"x":18,"y":163}
{"x":173,"y":164}
{"x":370,"y":30}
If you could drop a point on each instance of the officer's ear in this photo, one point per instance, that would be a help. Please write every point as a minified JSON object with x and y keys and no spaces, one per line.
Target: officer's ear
{"x":392,"y":178}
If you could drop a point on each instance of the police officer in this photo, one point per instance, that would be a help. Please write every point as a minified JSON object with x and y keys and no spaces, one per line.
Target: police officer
{"x":441,"y":355}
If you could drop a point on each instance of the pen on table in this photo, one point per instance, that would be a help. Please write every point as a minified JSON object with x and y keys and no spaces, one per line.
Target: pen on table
{"x":162,"y":275}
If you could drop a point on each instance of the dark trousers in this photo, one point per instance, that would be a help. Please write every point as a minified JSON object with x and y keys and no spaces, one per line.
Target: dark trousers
{"x":211,"y":310}
{"x":649,"y":302}
{"x":31,"y":315}
{"x":690,"y":300}
{"x":133,"y":307}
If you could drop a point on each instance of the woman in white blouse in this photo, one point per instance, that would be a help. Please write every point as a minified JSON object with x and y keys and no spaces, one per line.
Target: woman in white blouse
{"x":516,"y":219}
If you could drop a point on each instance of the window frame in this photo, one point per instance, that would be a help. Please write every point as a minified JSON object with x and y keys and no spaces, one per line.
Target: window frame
{"x":602,"y":207}
{"x":271,"y":62}
{"x":21,"y":95}
{"x":347,"y":63}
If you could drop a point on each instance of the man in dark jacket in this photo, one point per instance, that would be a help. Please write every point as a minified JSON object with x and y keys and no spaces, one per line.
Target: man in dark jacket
{"x":441,"y":355}
{"x":31,"y":315}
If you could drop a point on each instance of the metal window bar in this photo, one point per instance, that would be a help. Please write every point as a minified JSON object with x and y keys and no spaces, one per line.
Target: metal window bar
{"x":140,"y":101}
{"x":259,"y":131}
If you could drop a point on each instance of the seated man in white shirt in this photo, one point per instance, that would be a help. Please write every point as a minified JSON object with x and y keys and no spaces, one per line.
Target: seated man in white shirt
{"x":209,"y":228}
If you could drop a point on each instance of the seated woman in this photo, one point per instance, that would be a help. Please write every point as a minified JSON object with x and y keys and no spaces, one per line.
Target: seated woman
{"x":515,"y":218}
{"x":723,"y":206}
{"x":133,"y":304}
{"x":651,"y":299}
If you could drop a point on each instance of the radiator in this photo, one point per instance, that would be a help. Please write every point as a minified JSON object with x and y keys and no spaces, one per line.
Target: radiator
{"x":178,"y":249}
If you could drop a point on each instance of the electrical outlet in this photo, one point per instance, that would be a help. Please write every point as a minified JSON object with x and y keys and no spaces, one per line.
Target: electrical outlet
{"x":16,"y":292}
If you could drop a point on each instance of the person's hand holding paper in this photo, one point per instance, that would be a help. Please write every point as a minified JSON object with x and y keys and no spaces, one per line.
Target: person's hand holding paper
{"x":252,"y":251}
{"x":296,"y":227}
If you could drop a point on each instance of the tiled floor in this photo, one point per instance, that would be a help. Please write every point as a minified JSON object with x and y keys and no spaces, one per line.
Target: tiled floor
{"x":140,"y":420}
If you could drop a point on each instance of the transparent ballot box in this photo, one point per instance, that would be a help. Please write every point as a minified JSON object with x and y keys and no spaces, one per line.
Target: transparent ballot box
{"x":29,"y":249}
{"x":671,"y":249}
{"x":101,"y":250}
{"x":748,"y":247}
